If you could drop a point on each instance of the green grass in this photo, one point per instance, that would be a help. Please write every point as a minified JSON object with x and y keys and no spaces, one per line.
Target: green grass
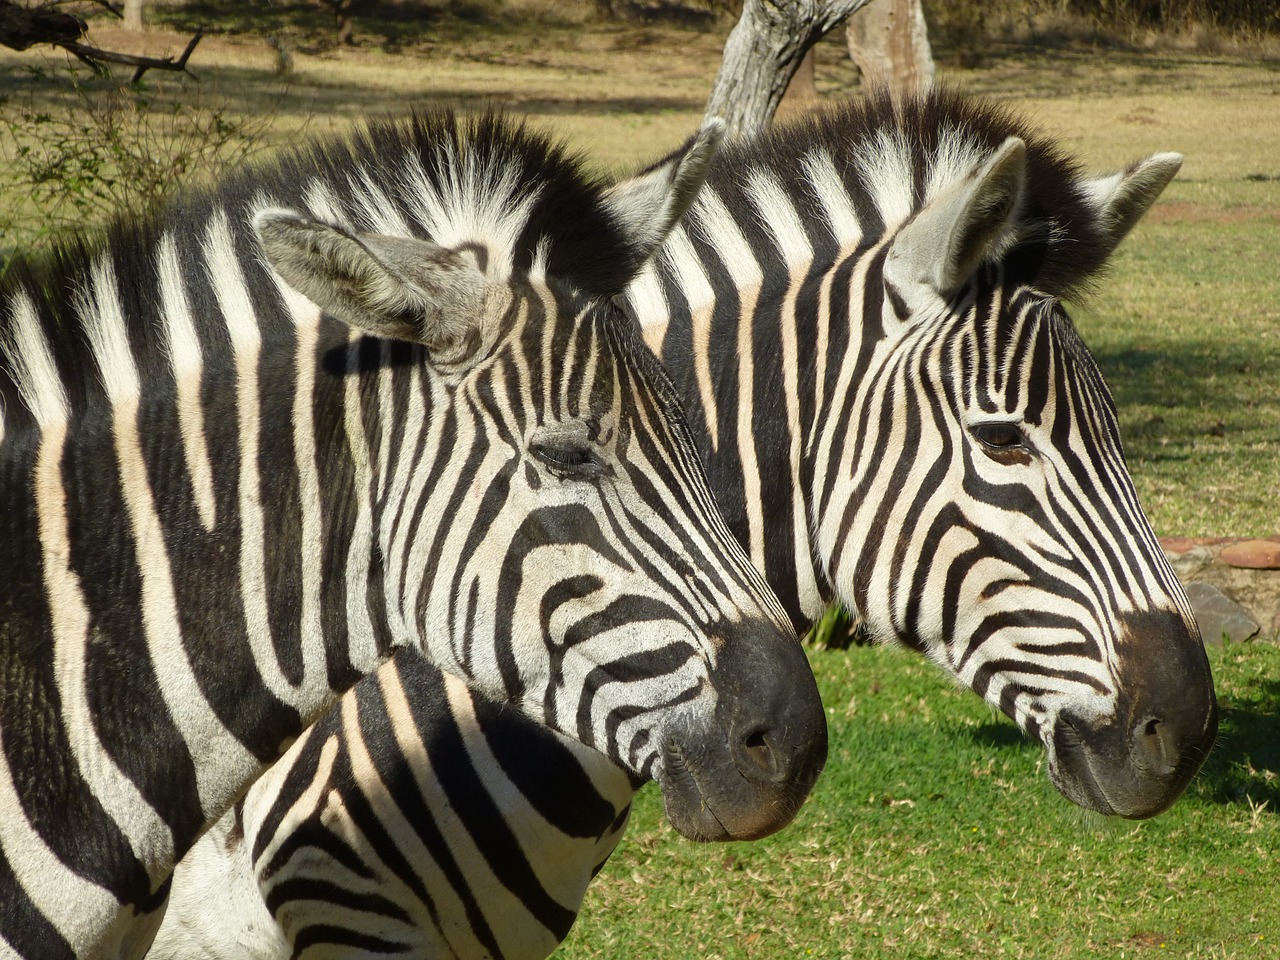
{"x":934,"y":833}
{"x":1187,"y":331}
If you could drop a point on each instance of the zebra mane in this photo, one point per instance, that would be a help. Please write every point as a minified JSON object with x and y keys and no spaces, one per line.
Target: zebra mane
{"x":520,"y":200}
{"x":889,"y":156}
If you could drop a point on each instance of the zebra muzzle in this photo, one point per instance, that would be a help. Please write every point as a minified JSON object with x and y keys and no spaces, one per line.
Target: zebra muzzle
{"x":745,"y":772}
{"x":1138,"y":761}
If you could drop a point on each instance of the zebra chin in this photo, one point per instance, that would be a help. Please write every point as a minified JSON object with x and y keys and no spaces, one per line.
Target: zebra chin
{"x":710,"y":801}
{"x":745,"y":774}
{"x":1136,"y":762}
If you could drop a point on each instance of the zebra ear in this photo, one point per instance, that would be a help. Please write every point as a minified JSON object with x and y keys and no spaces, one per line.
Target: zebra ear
{"x":1121,"y":199}
{"x":647,"y":205}
{"x":395,"y":287}
{"x":972,"y":221}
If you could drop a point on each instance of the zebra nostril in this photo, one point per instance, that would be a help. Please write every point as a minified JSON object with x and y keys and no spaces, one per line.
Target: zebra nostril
{"x":757,"y":758}
{"x":1153,"y":745}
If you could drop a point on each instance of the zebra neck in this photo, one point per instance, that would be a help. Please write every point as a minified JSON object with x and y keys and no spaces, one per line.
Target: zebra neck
{"x":752,"y":373}
{"x":768,"y":340}
{"x":175,"y":502}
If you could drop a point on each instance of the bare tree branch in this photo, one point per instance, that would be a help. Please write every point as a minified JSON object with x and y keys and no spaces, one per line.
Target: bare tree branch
{"x":762,"y":54}
{"x":22,"y":27}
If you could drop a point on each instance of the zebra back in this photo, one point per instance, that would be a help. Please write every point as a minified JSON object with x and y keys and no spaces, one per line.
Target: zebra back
{"x":417,"y":818}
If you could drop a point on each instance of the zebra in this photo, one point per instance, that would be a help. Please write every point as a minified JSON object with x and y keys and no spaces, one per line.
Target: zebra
{"x":371,"y":397}
{"x":421,"y":819}
{"x":863,"y":314}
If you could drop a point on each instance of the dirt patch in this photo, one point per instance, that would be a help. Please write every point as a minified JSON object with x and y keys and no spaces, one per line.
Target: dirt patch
{"x":1180,"y":211}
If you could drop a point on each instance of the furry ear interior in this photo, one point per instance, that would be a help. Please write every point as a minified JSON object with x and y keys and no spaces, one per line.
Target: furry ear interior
{"x":394,"y":287}
{"x":1122,"y":199}
{"x":974,"y":220}
{"x":648,"y":205}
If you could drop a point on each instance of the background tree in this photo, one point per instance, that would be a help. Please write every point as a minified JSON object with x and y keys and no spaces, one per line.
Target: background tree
{"x":762,"y":54}
{"x":343,"y":12}
{"x":889,"y":42}
{"x":23,"y":26}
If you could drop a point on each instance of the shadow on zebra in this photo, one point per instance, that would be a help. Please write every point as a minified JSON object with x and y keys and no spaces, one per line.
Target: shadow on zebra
{"x":371,"y":397}
{"x":863,"y":315}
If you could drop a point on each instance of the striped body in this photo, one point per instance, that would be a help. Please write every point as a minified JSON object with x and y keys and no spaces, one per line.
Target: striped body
{"x":862,"y":316}
{"x":225,"y":505}
{"x":424,"y":820}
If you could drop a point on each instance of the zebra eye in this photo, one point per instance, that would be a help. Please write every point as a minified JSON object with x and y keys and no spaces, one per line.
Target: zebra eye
{"x":1003,"y":441}
{"x":568,"y":459}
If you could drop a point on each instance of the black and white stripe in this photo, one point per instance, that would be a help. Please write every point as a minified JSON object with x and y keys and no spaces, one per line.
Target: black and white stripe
{"x":225,"y":505}
{"x":904,"y":419}
{"x":419,"y":819}
{"x":863,"y":316}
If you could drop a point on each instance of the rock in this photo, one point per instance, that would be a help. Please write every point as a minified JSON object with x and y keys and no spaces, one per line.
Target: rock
{"x":1174,"y":546}
{"x":1219,"y":616}
{"x":1253,"y":554}
{"x":1179,"y":544}
{"x":1188,"y":563}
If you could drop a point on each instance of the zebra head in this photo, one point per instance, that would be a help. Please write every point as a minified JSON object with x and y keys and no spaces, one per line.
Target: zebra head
{"x":979,"y":507}
{"x":544,"y":523}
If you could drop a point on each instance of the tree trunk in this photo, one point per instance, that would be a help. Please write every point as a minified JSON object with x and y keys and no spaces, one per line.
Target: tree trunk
{"x":762,"y":54}
{"x":804,"y":85}
{"x":890,"y":44}
{"x":344,"y":12}
{"x":133,"y":14}
{"x":802,"y":91}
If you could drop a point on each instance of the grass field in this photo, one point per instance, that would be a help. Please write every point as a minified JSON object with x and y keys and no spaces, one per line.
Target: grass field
{"x":934,"y":832}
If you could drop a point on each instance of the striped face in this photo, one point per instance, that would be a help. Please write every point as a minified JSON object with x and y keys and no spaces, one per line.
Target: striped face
{"x":1014,"y":552}
{"x":915,"y":412}
{"x":544,"y":524}
{"x":1012,"y":549}
{"x":606,"y":599}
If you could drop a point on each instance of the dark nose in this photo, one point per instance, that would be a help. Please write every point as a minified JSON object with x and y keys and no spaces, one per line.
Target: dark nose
{"x":1136,"y":762}
{"x":1167,"y":695}
{"x":757,"y":757}
{"x":745,"y":773}
{"x":771,"y":710}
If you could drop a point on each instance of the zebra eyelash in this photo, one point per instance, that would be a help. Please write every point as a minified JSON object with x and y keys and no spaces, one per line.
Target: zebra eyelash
{"x":1003,"y":441}
{"x":570,"y":460}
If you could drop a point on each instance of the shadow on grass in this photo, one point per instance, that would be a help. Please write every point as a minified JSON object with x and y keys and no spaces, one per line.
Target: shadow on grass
{"x":396,"y":27}
{"x":245,"y":90}
{"x":1192,"y":398}
{"x":997,"y":735}
{"x":313,"y":30}
{"x":1245,"y":763}
{"x":1174,"y":375}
